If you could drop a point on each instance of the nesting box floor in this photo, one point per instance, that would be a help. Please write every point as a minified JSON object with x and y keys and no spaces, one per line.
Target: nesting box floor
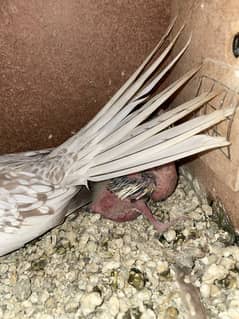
{"x":90,"y":267}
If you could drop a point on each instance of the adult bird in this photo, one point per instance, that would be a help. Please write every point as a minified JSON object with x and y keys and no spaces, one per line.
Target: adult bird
{"x":38,"y":189}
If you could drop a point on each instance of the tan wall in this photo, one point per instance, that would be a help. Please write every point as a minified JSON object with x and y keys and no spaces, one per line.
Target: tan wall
{"x":213,"y":25}
{"x":61,"y":60}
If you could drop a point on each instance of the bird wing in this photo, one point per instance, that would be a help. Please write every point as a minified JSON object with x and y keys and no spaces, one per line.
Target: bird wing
{"x":29,"y":206}
{"x":23,"y":194}
{"x":19,"y":159}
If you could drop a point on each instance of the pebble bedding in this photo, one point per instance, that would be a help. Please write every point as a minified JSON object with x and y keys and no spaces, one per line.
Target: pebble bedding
{"x":90,"y":267}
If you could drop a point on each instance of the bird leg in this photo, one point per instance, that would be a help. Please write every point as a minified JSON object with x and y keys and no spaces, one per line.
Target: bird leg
{"x":160,"y":227}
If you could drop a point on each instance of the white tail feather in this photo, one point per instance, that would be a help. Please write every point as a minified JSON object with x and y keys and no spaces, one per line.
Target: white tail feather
{"x":133,"y":76}
{"x":192,"y":146}
{"x":120,"y":140}
{"x":160,"y":142}
{"x":121,"y":98}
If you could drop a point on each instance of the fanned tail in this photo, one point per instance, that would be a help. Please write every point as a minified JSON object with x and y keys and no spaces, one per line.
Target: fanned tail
{"x":121,"y":140}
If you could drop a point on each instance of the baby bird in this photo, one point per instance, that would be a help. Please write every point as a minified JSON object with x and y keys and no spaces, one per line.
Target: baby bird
{"x":125,"y":198}
{"x":39,"y":189}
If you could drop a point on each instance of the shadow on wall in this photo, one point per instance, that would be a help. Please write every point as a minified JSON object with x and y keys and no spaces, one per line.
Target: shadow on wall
{"x":61,"y":60}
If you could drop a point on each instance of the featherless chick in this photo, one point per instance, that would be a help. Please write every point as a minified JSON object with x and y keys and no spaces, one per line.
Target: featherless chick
{"x":125,"y":198}
{"x":38,"y":189}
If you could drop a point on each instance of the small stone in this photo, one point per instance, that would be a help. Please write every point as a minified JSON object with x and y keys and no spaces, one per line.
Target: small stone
{"x":91,"y":246}
{"x":44,"y":316}
{"x":211,"y":259}
{"x":132,"y":313}
{"x":34,"y":298}
{"x":205,"y":290}
{"x":3,"y":268}
{"x":39,"y":265}
{"x":171,"y":313}
{"x":61,"y":250}
{"x":228,"y":263}
{"x":113,"y":305}
{"x":123,"y":305}
{"x":227,"y":283}
{"x":50,"y":303}
{"x":197,"y":216}
{"x":104,"y":314}
{"x":89,"y":302}
{"x":116,"y":243}
{"x":148,"y":314}
{"x":91,"y":268}
{"x":234,"y":303}
{"x":110,"y":265}
{"x":143,"y":296}
{"x":71,"y":276}
{"x":136,"y":279}
{"x":232,"y":251}
{"x":22,"y":289}
{"x":214,"y":272}
{"x":72,"y":306}
{"x":162,"y":268}
{"x":207,"y":210}
{"x":71,"y":236}
{"x":44,"y":296}
{"x":214,"y":291}
{"x":186,"y":232}
{"x":200,"y":226}
{"x":84,"y":239}
{"x":170,"y":235}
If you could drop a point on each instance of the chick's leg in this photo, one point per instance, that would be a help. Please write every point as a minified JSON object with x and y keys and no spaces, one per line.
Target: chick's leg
{"x":160,"y":227}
